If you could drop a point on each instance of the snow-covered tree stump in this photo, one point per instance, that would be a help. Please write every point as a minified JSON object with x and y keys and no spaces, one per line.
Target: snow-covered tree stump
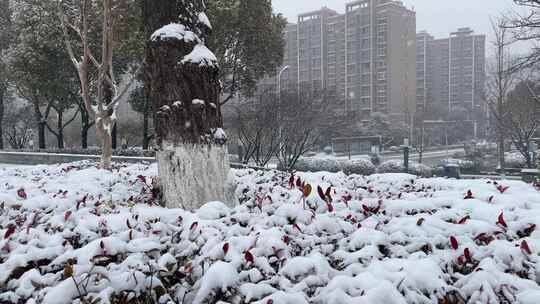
{"x":183,"y":78}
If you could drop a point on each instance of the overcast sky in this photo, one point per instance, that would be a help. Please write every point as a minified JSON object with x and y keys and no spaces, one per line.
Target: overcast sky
{"x":438,"y":17}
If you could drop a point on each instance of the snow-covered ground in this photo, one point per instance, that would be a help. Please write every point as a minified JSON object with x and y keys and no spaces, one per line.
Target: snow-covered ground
{"x":74,"y":231}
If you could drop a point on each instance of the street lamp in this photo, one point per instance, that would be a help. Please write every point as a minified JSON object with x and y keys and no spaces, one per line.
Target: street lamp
{"x":279,"y":78}
{"x":279,"y":95}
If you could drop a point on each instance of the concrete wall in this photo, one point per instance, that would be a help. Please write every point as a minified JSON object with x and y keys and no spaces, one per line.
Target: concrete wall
{"x":28,"y":158}
{"x":31,"y":159}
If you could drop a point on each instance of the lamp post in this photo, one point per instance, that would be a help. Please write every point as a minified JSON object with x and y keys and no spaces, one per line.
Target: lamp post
{"x":279,"y":80}
{"x":285,"y":68}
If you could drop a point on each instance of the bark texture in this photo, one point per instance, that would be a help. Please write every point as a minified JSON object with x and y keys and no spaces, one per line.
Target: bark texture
{"x":193,"y":164}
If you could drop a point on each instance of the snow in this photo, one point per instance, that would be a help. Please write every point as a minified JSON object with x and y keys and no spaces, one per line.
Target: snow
{"x":198,"y":102}
{"x":174,"y":31}
{"x":201,"y":56}
{"x":74,"y":230}
{"x":204,"y":20}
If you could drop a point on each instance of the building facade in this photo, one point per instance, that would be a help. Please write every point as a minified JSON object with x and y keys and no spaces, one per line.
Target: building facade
{"x":451,"y":73}
{"x":366,"y":55}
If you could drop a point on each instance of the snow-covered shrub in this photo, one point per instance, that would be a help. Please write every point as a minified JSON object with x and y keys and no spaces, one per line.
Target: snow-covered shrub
{"x":78,"y":234}
{"x":464,"y":165}
{"x":514,"y":160}
{"x":391,"y":166}
{"x":315,"y":164}
{"x":359,"y":166}
{"x":330,"y":164}
{"x":420,"y":170}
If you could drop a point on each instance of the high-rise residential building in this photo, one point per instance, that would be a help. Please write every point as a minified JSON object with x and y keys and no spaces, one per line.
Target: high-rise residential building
{"x":366,"y":55}
{"x":451,"y":72}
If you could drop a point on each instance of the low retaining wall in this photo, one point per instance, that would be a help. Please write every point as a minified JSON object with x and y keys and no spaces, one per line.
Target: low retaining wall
{"x":37,"y":158}
{"x":31,"y":158}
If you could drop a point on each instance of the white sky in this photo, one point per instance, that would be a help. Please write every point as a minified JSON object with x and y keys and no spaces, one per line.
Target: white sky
{"x":438,"y":17}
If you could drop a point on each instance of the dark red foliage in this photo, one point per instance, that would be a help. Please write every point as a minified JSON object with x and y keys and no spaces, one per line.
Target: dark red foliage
{"x":454,"y":243}
{"x":225,"y":248}
{"x":501,"y":221}
{"x":469,"y":195}
{"x":22,"y":194}
{"x":249,"y":257}
{"x":9,"y":232}
{"x":525,"y":247}
{"x":464,"y":220}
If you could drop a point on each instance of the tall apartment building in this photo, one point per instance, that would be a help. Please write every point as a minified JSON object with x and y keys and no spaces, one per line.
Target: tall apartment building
{"x":367,"y":55}
{"x":451,"y":72}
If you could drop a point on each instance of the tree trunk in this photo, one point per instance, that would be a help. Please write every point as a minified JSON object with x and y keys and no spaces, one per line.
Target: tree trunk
{"x":85,"y":127}
{"x":2,"y":94}
{"x":104,"y":130}
{"x":60,"y":130}
{"x":192,"y":161}
{"x":146,"y":136}
{"x":41,"y":135}
{"x":114,"y":138}
{"x":500,"y":150}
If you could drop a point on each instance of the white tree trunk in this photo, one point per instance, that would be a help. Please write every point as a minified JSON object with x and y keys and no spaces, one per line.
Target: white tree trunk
{"x":104,"y":128}
{"x":192,"y":175}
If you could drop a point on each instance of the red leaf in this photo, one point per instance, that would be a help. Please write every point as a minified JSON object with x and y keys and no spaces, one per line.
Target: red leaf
{"x":194,"y":225}
{"x":328,"y":191}
{"x":454,"y":243}
{"x":67,"y":215}
{"x":286,"y":239}
{"x":501,"y":220}
{"x":467,"y":254}
{"x":249,"y":257}
{"x":299,"y":183}
{"x":464,"y":220}
{"x":525,"y":247}
{"x":225,"y":248}
{"x":142,"y":178}
{"x":9,"y":232}
{"x":321,"y":193}
{"x":22,"y":194}
{"x":469,"y":195}
{"x":502,"y":189}
{"x":330,"y":207}
{"x":366,"y":208}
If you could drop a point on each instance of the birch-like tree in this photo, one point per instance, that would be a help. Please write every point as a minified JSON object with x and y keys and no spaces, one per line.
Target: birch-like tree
{"x":99,"y":89}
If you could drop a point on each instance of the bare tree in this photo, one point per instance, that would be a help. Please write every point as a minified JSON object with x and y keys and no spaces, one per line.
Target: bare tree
{"x":522,"y":118}
{"x":501,"y":79}
{"x":525,"y":26}
{"x":18,"y":126}
{"x":103,"y":107}
{"x":303,"y":117}
{"x":257,"y":128}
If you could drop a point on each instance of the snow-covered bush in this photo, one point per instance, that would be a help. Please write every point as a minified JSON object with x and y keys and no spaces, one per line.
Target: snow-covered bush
{"x":78,"y":234}
{"x":420,"y":170}
{"x":359,"y":166}
{"x":514,"y":160}
{"x":391,"y":166}
{"x":330,"y":164}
